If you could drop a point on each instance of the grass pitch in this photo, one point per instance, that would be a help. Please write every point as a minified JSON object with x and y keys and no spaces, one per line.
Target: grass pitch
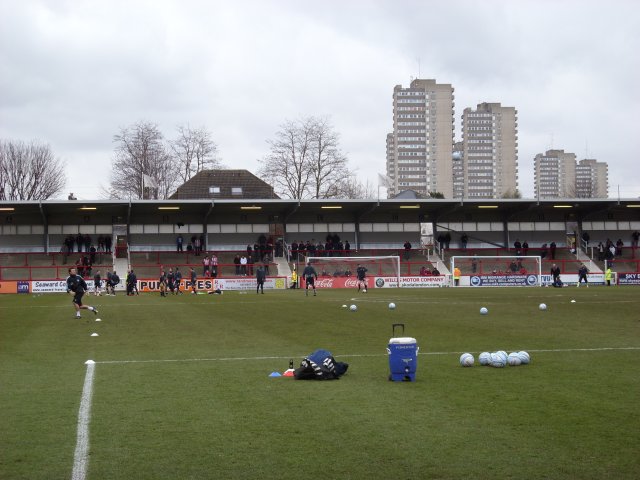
{"x":182,"y":387}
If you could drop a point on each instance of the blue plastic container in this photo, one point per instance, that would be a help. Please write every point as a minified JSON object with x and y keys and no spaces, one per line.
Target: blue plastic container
{"x":403,"y":357}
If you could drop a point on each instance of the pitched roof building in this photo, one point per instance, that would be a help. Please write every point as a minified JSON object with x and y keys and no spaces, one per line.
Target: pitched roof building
{"x":235,"y":184}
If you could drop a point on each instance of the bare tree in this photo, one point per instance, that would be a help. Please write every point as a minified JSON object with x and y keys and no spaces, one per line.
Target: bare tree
{"x":194,"y":151}
{"x":142,"y":167}
{"x":305,"y":160}
{"x":286,"y":167}
{"x":350,"y":187}
{"x":328,"y":164}
{"x":29,"y":171}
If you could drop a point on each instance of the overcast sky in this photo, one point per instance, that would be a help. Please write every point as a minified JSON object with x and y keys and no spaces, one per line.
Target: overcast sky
{"x":73,"y":72}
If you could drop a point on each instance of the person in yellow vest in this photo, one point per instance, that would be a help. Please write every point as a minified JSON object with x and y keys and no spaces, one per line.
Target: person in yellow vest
{"x":607,"y":276}
{"x":294,"y":279}
{"x":456,"y":276}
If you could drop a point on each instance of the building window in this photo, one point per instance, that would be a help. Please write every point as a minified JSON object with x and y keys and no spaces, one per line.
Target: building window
{"x":214,"y":190}
{"x":236,"y":190}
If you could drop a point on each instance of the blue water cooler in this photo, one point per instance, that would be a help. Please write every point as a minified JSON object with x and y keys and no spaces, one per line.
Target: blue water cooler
{"x":403,"y":357}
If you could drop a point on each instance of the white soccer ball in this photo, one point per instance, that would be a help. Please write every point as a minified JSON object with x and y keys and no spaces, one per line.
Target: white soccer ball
{"x":353,"y":308}
{"x":484,"y":311}
{"x":514,"y":359}
{"x":542,"y":306}
{"x":392,"y":306}
{"x":484,"y":358}
{"x":497,"y":360}
{"x":503,"y":354}
{"x":467,"y":360}
{"x":524,"y":357}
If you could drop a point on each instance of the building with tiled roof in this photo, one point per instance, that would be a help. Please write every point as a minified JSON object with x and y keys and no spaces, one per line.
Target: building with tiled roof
{"x":228,"y":184}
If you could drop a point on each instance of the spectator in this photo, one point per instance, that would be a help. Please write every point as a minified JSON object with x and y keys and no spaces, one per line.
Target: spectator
{"x":635,"y":236}
{"x":474,"y":264}
{"x":407,"y":250}
{"x":517,"y":247}
{"x":447,"y":240}
{"x":206,"y":262}
{"x":214,"y":265}
{"x":600,"y":252}
{"x":525,"y":248}
{"x":585,"y":238}
{"x":543,"y":251}
{"x":463,"y":241}
{"x":347,"y":247}
{"x":87,"y":243}
{"x":179,"y":242}
{"x":79,"y":242}
{"x":552,"y":250}
{"x":424,"y":271}
{"x":107,"y":243}
{"x":236,"y":262}
{"x":619,"y":246}
{"x":435,"y":271}
{"x":243,"y":265}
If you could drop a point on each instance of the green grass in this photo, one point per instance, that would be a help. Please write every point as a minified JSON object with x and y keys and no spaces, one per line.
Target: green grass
{"x":188,"y":394}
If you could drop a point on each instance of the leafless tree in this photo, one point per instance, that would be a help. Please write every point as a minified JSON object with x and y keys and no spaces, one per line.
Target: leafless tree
{"x":328,"y":164}
{"x":29,"y":171}
{"x":287,"y":167}
{"x":512,"y":194}
{"x":142,"y":166}
{"x":350,"y":187}
{"x":194,"y":150}
{"x":305,"y":160}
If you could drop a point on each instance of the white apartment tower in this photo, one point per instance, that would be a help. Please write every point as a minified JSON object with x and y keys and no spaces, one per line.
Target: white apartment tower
{"x":419,"y":151}
{"x":490,"y":151}
{"x":592,"y":179}
{"x":555,"y":174}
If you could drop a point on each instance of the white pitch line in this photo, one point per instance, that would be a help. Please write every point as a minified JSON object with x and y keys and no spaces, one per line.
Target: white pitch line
{"x":353,"y":355}
{"x":81,"y":455}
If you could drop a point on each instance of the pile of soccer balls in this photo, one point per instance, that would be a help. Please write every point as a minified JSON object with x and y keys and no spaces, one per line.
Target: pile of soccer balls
{"x":497,"y":359}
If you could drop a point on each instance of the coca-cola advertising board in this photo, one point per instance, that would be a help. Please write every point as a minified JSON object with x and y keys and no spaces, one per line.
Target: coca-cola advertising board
{"x":339,"y":282}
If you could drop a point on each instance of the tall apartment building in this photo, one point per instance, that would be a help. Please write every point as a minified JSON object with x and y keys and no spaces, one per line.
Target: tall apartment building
{"x":555,"y":174}
{"x":592,"y":179}
{"x":490,"y":151}
{"x":419,"y":151}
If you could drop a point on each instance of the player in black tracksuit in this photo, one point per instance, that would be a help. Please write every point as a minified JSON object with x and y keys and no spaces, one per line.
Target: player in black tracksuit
{"x":310,"y":275}
{"x":361,"y":273}
{"x":260,"y":278}
{"x":77,"y":285}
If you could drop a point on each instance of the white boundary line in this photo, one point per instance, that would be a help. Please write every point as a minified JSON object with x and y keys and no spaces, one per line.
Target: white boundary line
{"x":354,"y":355}
{"x":81,"y":455}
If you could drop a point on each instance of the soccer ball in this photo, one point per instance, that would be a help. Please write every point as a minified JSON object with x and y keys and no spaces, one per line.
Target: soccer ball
{"x":543,"y":306}
{"x":484,"y":311}
{"x":524,"y":357}
{"x":497,"y":360}
{"x":353,"y":308}
{"x":467,"y":360}
{"x":503,"y":354}
{"x":392,"y":306}
{"x":514,"y":359}
{"x":484,"y":358}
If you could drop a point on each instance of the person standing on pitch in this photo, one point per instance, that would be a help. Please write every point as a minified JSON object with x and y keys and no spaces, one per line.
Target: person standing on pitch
{"x":97,"y":284}
{"x":162,"y":283}
{"x":260,"y":278}
{"x":607,"y":276}
{"x":582,"y":275}
{"x":310,"y":275}
{"x":178,"y":280}
{"x":456,"y":276}
{"x":77,"y":285}
{"x":194,"y":280}
{"x":361,"y":273}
